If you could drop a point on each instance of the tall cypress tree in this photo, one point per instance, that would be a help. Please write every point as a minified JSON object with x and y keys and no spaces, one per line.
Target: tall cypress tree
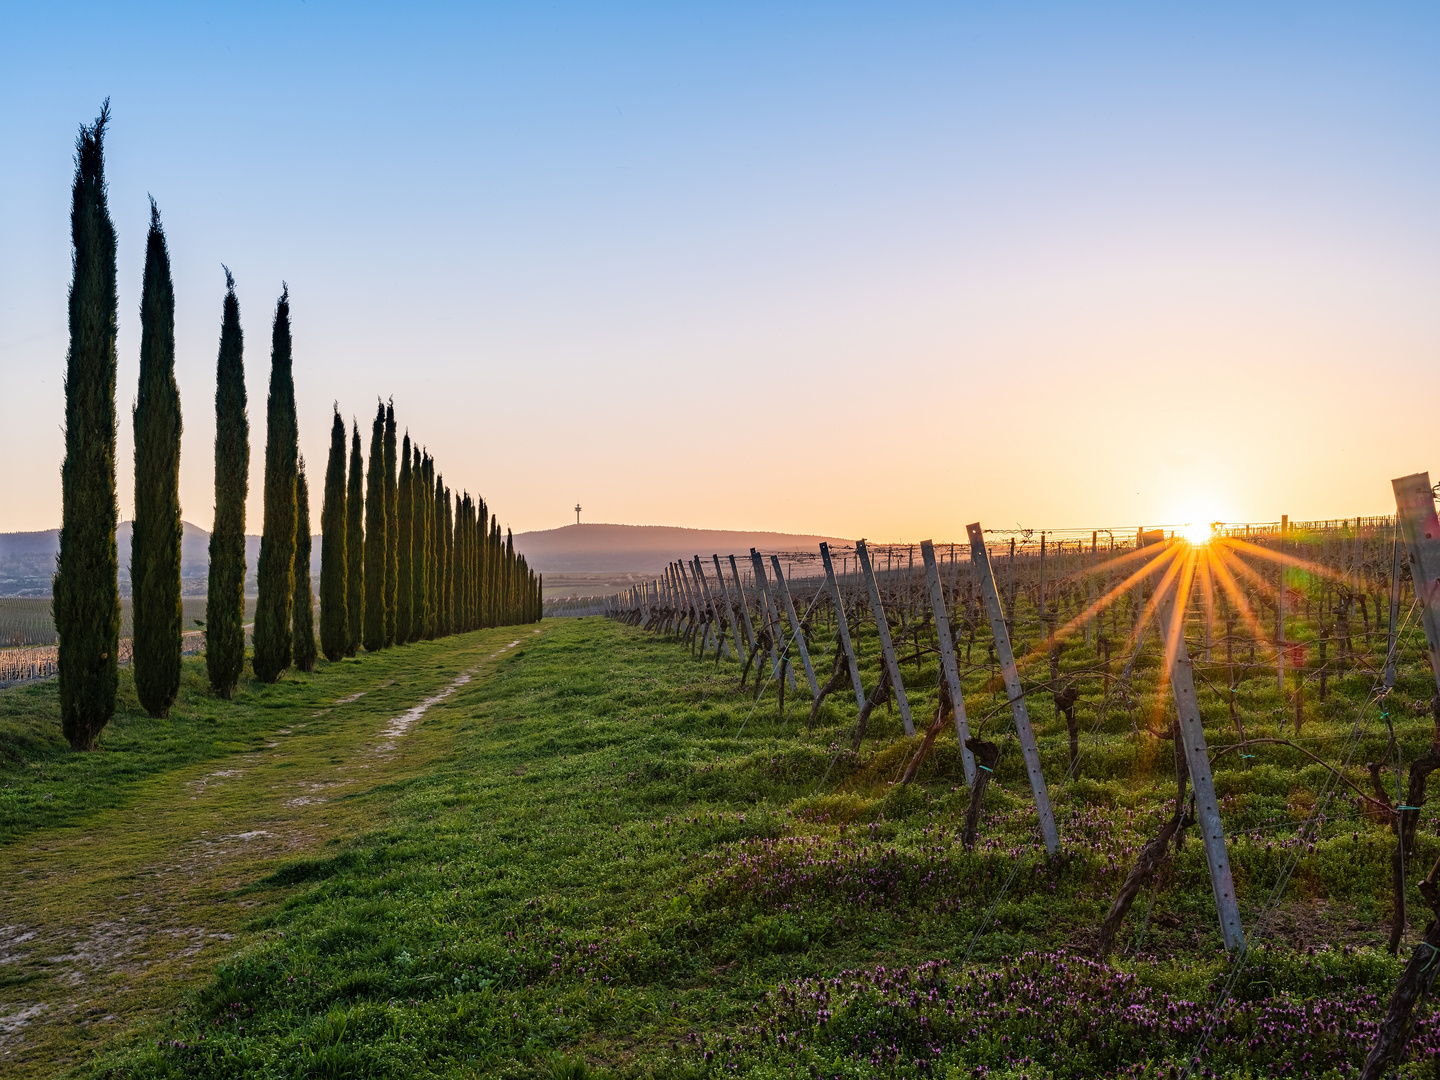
{"x":157,"y":615}
{"x":447,"y":586}
{"x":374,"y":636}
{"x":420,"y":546}
{"x":437,"y":568}
{"x":405,"y":523}
{"x":355,"y":544}
{"x":392,"y":525}
{"x":303,"y":645}
{"x":511,"y":583}
{"x":225,"y":597}
{"x":276,"y":573}
{"x":86,"y":601}
{"x":334,"y":613}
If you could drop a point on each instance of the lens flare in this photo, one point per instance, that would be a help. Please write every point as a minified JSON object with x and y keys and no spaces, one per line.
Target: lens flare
{"x":1196,"y":533}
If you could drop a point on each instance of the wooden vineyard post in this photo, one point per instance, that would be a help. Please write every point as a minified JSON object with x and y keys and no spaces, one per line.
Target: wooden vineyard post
{"x":795,"y":626}
{"x":772,"y":619}
{"x":947,"y":658}
{"x":744,"y":605}
{"x":1280,"y":614}
{"x":687,"y":574}
{"x":862,"y":555}
{"x":672,"y":602}
{"x":691,"y":611}
{"x":980,"y":559}
{"x":1394,"y":608}
{"x":843,"y":626}
{"x":722,"y":647}
{"x":1090,"y":594}
{"x":734,"y":619}
{"x":1197,"y":757}
{"x":717,"y":638}
{"x":677,"y":602}
{"x":1420,"y":529}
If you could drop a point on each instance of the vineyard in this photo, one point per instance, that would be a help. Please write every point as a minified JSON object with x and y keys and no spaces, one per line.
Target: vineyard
{"x":27,"y":635}
{"x":1268,"y":688}
{"x":693,"y":839}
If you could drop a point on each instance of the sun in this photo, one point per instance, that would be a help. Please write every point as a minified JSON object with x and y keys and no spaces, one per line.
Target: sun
{"x":1196,"y":533}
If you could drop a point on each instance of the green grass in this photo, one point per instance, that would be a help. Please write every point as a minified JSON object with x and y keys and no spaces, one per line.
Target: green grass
{"x":598,"y":859}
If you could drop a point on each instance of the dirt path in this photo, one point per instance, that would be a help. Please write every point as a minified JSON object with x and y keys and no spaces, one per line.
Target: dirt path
{"x":103,"y":924}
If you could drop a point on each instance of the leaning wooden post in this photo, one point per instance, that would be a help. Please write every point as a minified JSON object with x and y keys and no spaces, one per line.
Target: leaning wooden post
{"x":1280,"y":613}
{"x":693,"y":592}
{"x":980,"y":559}
{"x":843,"y":626}
{"x":877,"y":609}
{"x":772,"y":621}
{"x":723,"y":648}
{"x":1090,"y":595}
{"x":682,"y":587}
{"x":947,"y":658}
{"x":1197,"y":757}
{"x":734,"y":619}
{"x":744,"y":604}
{"x":1415,"y":507}
{"x":1394,"y":608}
{"x":702,"y":597}
{"x":795,"y":626}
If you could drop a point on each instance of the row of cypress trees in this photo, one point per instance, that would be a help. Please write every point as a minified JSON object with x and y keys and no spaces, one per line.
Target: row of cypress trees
{"x":427,"y":562}
{"x":434,"y":568}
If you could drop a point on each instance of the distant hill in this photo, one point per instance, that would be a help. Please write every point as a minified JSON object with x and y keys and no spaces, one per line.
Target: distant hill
{"x":646,"y":548}
{"x":27,"y":560}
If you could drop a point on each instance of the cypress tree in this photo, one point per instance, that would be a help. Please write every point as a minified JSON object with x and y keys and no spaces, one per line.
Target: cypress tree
{"x":437,"y":568}
{"x":392,"y":525}
{"x":497,"y":572}
{"x":447,"y":561}
{"x":303,"y":646}
{"x":511,"y":582}
{"x":482,"y":555}
{"x":420,"y":546}
{"x":355,"y":544}
{"x":86,"y":603}
{"x":276,"y":572}
{"x":334,"y":612}
{"x":374,"y":636}
{"x":405,"y":523}
{"x":225,"y":596}
{"x":157,"y":615}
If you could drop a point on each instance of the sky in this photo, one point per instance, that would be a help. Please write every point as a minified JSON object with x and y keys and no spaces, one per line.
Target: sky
{"x":863,"y":270}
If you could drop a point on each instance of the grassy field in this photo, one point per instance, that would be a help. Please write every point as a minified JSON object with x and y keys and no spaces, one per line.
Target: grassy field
{"x":598,"y":857}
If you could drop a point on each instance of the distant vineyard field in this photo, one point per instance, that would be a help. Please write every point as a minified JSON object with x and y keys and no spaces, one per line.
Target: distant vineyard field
{"x":26,"y":620}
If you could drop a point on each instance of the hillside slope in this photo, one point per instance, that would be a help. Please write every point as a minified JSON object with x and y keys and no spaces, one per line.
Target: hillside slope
{"x":646,"y":548}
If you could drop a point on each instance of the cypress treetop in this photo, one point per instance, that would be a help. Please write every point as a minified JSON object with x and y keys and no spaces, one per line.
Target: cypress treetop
{"x":86,"y":589}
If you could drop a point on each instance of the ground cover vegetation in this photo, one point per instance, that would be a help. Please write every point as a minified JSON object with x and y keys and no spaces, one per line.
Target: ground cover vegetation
{"x":629,"y":865}
{"x":124,"y":873}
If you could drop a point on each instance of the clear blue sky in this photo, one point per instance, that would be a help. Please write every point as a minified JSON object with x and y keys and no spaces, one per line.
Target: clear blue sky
{"x":865,"y":270}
